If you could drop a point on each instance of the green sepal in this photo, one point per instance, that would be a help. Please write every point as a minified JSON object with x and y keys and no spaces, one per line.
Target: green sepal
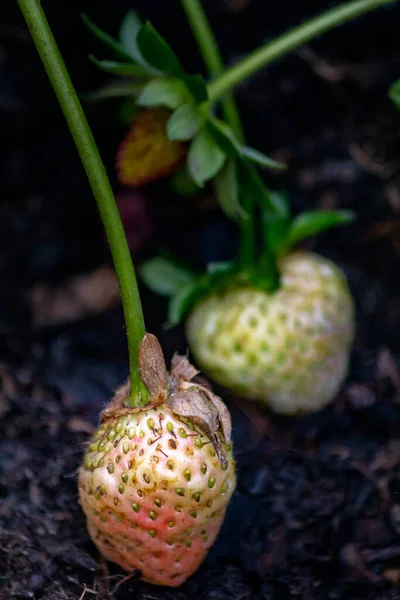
{"x":106,"y":39}
{"x":113,"y":90}
{"x":128,"y":33}
{"x":166,"y":277}
{"x":157,"y":52}
{"x":181,"y":303}
{"x":311,"y":223}
{"x":184,"y":123}
{"x":261,"y":159}
{"x":227,"y":189}
{"x":197,"y":87}
{"x":205,"y":158}
{"x":170,"y":92}
{"x":394,"y":93}
{"x":126,"y":69}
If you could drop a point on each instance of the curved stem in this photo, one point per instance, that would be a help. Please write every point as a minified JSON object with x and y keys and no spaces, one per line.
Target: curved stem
{"x":212,"y":58}
{"x":297,"y":36}
{"x":79,"y":128}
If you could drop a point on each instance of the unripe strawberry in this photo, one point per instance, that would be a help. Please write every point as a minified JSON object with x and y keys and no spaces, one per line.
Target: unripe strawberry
{"x":288,"y":349}
{"x":156,"y":481}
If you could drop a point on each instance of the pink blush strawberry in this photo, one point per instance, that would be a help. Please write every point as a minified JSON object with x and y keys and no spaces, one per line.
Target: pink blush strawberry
{"x":155,"y":493}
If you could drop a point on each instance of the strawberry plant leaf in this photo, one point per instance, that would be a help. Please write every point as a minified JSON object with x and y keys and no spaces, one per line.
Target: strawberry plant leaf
{"x":157,"y":52}
{"x":166,"y":277}
{"x":226,"y":185}
{"x":106,"y":39}
{"x":197,"y":87}
{"x":126,"y":69}
{"x":261,"y":159}
{"x":170,"y":92}
{"x":394,"y":93}
{"x":184,"y":123}
{"x":205,"y":158}
{"x":310,"y":223}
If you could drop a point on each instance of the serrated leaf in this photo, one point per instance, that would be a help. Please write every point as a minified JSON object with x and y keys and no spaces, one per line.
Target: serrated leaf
{"x":184,"y":123}
{"x":205,"y":158}
{"x":227,"y":189}
{"x":181,"y":303}
{"x":126,"y":69}
{"x":197,"y":87}
{"x":165,"y":277}
{"x":169,"y":92}
{"x":394,"y":93}
{"x":156,"y":52}
{"x":261,"y":159}
{"x":106,"y":39}
{"x":310,"y":223}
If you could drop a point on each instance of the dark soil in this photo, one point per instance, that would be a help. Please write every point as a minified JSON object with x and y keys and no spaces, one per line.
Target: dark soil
{"x":317,"y":511}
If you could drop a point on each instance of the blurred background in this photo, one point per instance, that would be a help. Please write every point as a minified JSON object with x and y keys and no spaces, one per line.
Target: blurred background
{"x":317,"y":497}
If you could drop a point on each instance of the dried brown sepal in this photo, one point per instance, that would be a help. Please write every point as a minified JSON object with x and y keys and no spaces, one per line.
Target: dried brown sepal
{"x":153,"y":371}
{"x":193,"y":403}
{"x":224,"y":416}
{"x":182,"y":369}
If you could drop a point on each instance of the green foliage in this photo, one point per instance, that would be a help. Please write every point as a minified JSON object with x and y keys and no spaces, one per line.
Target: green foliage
{"x":205,"y":158}
{"x":184,"y":123}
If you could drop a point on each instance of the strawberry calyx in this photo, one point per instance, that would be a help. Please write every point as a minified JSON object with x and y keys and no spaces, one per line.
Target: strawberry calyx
{"x":185,"y":287}
{"x":179,"y":392}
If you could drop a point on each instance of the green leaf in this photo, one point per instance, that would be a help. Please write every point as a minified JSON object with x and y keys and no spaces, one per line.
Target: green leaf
{"x":224,"y":137}
{"x":126,"y":69}
{"x":166,"y":277}
{"x":184,"y":123}
{"x":170,"y":92}
{"x":226,"y":185}
{"x":181,"y":303}
{"x":107,"y":39}
{"x":156,"y":52}
{"x":260,"y":159}
{"x":310,"y":223}
{"x":205,"y":158}
{"x":197,"y":87}
{"x":394,"y":93}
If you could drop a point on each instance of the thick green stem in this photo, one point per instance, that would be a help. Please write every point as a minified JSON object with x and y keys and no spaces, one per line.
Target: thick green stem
{"x":78,"y":125}
{"x":212,"y":58}
{"x":297,"y":36}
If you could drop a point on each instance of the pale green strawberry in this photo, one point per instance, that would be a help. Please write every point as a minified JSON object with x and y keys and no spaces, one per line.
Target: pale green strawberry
{"x":288,"y":349}
{"x":156,"y":481}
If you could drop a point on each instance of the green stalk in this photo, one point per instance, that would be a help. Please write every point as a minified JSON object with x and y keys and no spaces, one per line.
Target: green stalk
{"x":82,"y":135}
{"x":212,"y":58}
{"x":297,"y":36}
